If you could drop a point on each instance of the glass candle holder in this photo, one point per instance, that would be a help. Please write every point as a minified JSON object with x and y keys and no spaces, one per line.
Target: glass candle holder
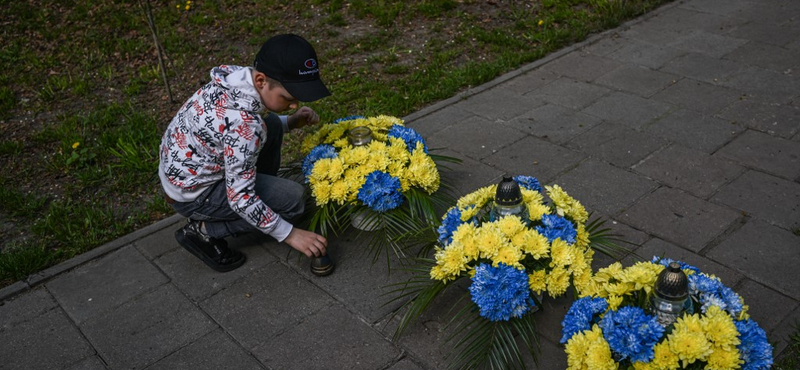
{"x":508,"y":201}
{"x":359,"y":136}
{"x":670,"y":298}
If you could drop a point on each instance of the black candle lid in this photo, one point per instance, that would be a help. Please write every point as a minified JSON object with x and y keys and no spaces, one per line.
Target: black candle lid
{"x":508,"y":193}
{"x":672,"y":283}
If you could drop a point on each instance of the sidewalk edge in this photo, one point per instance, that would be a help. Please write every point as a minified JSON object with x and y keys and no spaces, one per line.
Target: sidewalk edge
{"x":40,"y":277}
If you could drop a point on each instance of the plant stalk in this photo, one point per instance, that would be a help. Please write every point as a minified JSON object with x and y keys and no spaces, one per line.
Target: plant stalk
{"x":159,"y":48}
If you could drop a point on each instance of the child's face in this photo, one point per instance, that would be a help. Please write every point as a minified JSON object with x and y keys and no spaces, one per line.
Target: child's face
{"x":276,"y":98}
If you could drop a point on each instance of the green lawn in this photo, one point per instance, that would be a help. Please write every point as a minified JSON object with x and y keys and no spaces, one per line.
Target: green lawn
{"x":83,"y":102}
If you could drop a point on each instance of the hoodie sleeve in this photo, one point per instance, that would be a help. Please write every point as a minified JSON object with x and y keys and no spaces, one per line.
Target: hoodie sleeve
{"x":242,"y":137}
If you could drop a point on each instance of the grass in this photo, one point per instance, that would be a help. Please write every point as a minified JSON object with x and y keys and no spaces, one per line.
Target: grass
{"x":790,"y":357}
{"x":82,"y":114}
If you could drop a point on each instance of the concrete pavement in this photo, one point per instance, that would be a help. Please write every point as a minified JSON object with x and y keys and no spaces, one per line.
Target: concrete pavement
{"x":682,"y":127}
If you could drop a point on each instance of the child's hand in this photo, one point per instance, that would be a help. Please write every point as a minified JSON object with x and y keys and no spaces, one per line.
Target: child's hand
{"x":307,"y":242}
{"x":303,"y":117}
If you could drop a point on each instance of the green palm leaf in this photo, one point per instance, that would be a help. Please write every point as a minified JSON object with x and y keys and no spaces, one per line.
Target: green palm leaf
{"x":604,"y":240}
{"x":481,"y":343}
{"x":477,"y":342}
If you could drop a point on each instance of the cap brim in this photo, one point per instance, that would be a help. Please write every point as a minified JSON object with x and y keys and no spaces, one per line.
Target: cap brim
{"x":307,"y":91}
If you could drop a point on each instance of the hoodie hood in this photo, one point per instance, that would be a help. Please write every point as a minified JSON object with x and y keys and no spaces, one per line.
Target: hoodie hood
{"x":241,"y":93}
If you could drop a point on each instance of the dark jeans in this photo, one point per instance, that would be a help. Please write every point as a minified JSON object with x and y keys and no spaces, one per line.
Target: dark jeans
{"x":285,"y":197}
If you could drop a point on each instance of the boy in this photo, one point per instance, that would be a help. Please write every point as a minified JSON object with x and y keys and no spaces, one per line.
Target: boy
{"x":219,"y":157}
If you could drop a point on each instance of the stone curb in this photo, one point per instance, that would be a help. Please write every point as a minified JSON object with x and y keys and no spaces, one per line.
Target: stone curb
{"x":51,"y":272}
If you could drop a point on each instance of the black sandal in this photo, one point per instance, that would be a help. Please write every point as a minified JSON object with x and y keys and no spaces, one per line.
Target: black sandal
{"x":212,"y":251}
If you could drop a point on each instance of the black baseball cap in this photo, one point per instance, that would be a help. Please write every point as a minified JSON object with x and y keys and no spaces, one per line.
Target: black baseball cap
{"x":292,"y":61}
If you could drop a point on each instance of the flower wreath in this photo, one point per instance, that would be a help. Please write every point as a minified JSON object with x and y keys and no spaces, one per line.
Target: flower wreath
{"x":610,"y":327}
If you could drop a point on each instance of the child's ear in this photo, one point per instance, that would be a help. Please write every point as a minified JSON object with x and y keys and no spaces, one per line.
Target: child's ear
{"x":260,"y":79}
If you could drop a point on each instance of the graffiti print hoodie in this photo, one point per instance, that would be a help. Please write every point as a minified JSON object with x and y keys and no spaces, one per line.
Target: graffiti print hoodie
{"x":216,"y":136}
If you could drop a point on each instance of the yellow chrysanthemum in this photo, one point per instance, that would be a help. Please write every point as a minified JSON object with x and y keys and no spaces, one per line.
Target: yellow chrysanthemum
{"x":689,"y":345}
{"x":581,"y":279}
{"x":383,"y":121}
{"x":438,"y":273}
{"x":537,"y":210}
{"x":320,"y":170}
{"x":510,"y":226}
{"x":664,"y":358}
{"x":536,"y":281}
{"x":354,"y":180}
{"x":336,"y":169}
{"x":422,"y":170}
{"x":465,"y":235}
{"x":582,"y":238}
{"x":614,"y":301}
{"x":535,"y":244}
{"x":336,"y":133}
{"x":557,"y":281}
{"x":744,"y":315}
{"x":723,"y":358}
{"x":644,"y":366}
{"x":578,"y":259}
{"x":397,"y":147}
{"x":588,"y":350}
{"x":354,"y":156}
{"x":719,"y":328}
{"x":321,"y":192}
{"x":339,"y":192}
{"x":489,"y":240}
{"x":560,"y":253}
{"x":519,"y":241}
{"x":399,"y":170}
{"x":576,"y":348}
{"x":341,"y":143}
{"x":477,"y":199}
{"x":507,"y":255}
{"x":608,"y":273}
{"x":451,"y":261}
{"x":598,"y":356}
{"x":641,"y":276}
{"x":566,"y":205}
{"x":592,"y":289}
{"x":620,"y":288}
{"x":690,"y":323}
{"x":534,"y":202}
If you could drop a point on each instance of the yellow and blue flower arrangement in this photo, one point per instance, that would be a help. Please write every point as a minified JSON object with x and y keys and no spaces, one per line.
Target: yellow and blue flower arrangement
{"x":392,"y":178}
{"x":510,"y":261}
{"x":612,"y":327}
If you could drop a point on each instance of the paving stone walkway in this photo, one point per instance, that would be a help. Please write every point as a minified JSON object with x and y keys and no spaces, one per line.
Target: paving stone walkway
{"x":682,"y":127}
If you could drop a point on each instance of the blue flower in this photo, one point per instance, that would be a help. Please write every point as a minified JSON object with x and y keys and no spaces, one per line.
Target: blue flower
{"x":557,"y":227}
{"x":528,"y":182}
{"x":754,"y":349}
{"x":667,"y":261}
{"x":711,"y":292}
{"x":702,"y":283}
{"x":631,"y":333}
{"x":500,"y":292}
{"x":732,"y":300}
{"x":581,"y":316}
{"x":408,"y":135}
{"x":348,"y":118}
{"x":381,"y":192}
{"x":319,"y":152}
{"x":451,"y":222}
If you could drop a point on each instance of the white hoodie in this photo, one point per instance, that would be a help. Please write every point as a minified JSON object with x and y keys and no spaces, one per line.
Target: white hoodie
{"x":217,"y":135}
